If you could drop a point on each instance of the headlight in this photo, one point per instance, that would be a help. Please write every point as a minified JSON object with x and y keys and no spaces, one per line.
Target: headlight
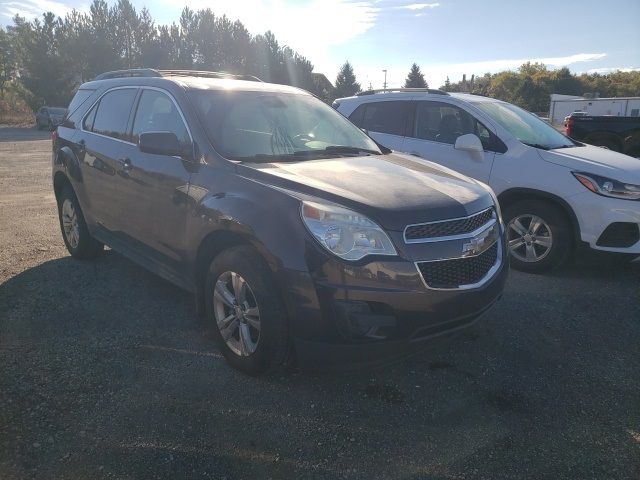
{"x":608,"y":187}
{"x":345,"y":233}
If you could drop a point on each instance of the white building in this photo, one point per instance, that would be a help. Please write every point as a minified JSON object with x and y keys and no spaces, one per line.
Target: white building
{"x":563,"y":105}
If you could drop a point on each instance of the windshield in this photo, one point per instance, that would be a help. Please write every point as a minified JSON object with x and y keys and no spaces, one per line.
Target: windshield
{"x":525,"y":126}
{"x":57,"y":111}
{"x":264,"y":126}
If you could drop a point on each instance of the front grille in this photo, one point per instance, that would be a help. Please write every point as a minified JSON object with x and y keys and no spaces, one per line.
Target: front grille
{"x":448,"y":228}
{"x":460,"y":271}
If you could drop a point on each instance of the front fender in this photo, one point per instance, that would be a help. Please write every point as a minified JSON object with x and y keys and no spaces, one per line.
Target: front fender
{"x":266,"y":217}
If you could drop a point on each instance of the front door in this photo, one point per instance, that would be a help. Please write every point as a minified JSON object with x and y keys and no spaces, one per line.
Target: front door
{"x":436,"y":127}
{"x":157,"y":185}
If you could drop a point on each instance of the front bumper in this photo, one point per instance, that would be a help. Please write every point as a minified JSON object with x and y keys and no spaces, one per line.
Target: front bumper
{"x":371,"y":313}
{"x":595,"y":213}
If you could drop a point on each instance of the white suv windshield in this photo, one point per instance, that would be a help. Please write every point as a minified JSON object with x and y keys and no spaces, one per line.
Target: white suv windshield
{"x":525,"y":126}
{"x":262,"y":126}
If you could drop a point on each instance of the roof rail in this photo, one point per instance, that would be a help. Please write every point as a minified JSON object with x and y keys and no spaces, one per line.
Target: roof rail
{"x":151,"y":72}
{"x":132,"y":72}
{"x":207,"y":74}
{"x":394,"y":90}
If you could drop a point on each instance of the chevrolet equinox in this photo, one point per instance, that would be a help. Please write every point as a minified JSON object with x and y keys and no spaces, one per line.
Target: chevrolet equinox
{"x":296,"y":232}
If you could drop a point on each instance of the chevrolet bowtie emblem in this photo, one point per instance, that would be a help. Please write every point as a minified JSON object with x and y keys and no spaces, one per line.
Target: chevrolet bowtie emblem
{"x":481,"y":242}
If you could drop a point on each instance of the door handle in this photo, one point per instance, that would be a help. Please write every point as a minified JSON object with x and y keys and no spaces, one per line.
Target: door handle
{"x":125,"y":164}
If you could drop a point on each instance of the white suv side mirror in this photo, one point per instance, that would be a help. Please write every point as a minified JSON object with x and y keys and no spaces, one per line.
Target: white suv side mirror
{"x":470,"y":143}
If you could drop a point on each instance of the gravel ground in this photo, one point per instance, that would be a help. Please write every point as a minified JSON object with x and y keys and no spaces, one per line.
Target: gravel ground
{"x":104,"y":373}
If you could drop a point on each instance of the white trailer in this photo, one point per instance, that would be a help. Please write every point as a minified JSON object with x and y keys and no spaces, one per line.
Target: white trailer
{"x":563,"y":105}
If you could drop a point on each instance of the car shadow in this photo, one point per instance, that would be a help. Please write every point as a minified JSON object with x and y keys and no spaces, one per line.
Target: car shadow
{"x":113,"y":361}
{"x":599,"y":267}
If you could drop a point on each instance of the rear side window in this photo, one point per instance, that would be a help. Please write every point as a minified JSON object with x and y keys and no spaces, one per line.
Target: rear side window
{"x":78,"y":100}
{"x":383,"y":117}
{"x":157,"y":113}
{"x":358,"y":115}
{"x":113,"y":112}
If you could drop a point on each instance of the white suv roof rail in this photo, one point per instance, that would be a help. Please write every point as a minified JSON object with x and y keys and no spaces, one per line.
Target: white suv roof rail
{"x":395,"y":90}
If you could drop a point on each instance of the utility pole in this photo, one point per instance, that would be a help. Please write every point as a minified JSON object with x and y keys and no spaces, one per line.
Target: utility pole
{"x":384,"y":85}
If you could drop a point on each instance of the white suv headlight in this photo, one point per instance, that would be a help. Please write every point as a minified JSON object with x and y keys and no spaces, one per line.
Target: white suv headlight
{"x":345,"y":233}
{"x":608,"y":187}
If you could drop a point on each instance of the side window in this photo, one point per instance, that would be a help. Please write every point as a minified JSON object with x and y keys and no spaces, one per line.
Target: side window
{"x":357,"y":115}
{"x":157,"y":113}
{"x":441,"y":122}
{"x":386,"y":117}
{"x":87,"y":124}
{"x":79,"y":98}
{"x":113,"y":113}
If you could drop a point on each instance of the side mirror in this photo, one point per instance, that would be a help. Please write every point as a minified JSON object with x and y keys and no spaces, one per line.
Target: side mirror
{"x":160,"y":143}
{"x":470,"y":143}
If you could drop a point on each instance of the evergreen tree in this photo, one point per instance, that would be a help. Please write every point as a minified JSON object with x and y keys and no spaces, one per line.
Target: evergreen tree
{"x":415,"y":79}
{"x":346,"y":84}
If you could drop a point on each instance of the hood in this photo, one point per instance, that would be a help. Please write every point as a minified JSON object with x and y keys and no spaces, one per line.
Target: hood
{"x":596,"y":160}
{"x":394,"y":190}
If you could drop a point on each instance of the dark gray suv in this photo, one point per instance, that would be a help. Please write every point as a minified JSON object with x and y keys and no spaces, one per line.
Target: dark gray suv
{"x":296,"y":232}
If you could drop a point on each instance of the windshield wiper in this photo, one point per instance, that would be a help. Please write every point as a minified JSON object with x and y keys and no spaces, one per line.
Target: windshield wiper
{"x":330,"y":151}
{"x":283,"y":157}
{"x":348,"y":149}
{"x":537,"y":145}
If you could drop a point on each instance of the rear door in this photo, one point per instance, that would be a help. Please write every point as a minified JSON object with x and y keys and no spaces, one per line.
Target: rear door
{"x":155,"y":186}
{"x":386,"y":121}
{"x":436,"y":127}
{"x":102,"y":143}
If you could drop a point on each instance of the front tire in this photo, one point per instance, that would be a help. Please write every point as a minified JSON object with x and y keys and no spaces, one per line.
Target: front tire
{"x":245,"y":313}
{"x":538,"y":234}
{"x":76,"y":236}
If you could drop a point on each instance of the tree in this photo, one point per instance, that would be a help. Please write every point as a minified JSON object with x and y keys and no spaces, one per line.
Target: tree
{"x":346,"y":85}
{"x":415,"y":79}
{"x":7,"y":59}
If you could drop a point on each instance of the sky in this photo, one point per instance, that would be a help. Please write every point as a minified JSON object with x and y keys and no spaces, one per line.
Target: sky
{"x":444,"y":37}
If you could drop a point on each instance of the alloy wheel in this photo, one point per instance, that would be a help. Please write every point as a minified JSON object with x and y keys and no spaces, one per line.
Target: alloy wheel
{"x":237,"y":314}
{"x":530,"y":238}
{"x":70,"y":223}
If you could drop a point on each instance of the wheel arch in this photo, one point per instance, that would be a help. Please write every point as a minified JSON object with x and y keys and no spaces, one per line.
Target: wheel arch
{"x":513,"y":195}
{"x":210,"y":247}
{"x":60,"y":181}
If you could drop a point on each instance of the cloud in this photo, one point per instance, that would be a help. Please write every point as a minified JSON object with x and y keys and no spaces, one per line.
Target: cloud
{"x":612,"y":69}
{"x":419,"y":6}
{"x":31,"y":9}
{"x":436,"y":74}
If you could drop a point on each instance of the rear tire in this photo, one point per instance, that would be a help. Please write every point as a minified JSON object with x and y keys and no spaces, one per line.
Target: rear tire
{"x":245,"y":313}
{"x":538,"y":234}
{"x":76,"y":236}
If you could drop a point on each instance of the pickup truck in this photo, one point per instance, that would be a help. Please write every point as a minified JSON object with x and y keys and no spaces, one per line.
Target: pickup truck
{"x":621,"y":134}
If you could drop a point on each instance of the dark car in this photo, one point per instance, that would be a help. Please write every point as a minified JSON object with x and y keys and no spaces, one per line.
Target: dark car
{"x":620,"y":134}
{"x":296,"y":232}
{"x":49,"y":117}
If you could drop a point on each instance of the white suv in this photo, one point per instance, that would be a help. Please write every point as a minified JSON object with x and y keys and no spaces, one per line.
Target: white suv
{"x":556,"y":194}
